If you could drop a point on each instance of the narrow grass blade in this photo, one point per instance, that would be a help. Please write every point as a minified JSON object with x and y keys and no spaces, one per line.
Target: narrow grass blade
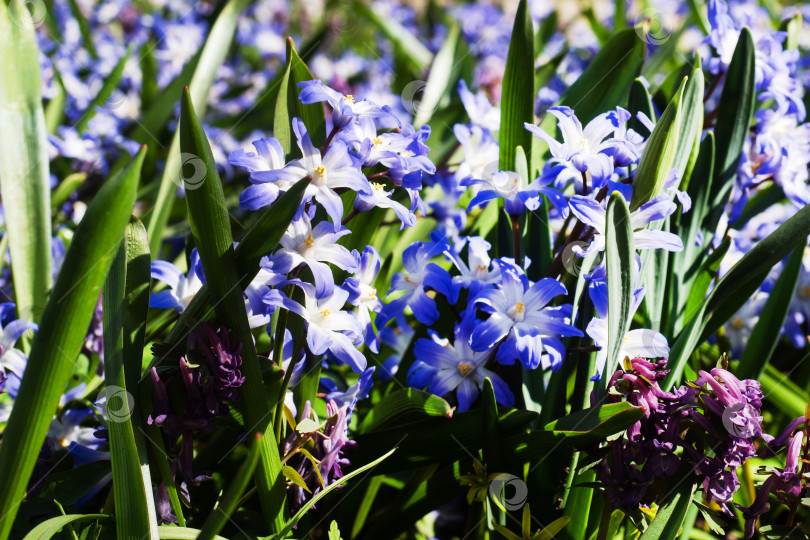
{"x":735,"y":108}
{"x":110,"y":84}
{"x":230,"y":498}
{"x":24,"y":176}
{"x":670,"y":515}
{"x":443,"y":75}
{"x":210,"y":225}
{"x":166,"y":532}
{"x":406,"y":44}
{"x":328,"y":489}
{"x":768,"y":330}
{"x":213,"y":54}
{"x":61,"y":333}
{"x":131,"y":508}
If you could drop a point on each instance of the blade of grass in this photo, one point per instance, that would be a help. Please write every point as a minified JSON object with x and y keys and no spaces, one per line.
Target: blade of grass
{"x":213,"y":54}
{"x":24,"y":176}
{"x":131,"y":509}
{"x":620,"y":267}
{"x":61,"y":333}
{"x":211,"y":228}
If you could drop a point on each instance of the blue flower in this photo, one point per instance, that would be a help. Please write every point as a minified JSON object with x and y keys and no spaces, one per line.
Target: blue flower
{"x":363,"y":294}
{"x":336,"y":169}
{"x":479,"y":271}
{"x":329,"y":327}
{"x":479,"y":109}
{"x":11,"y":330}
{"x":181,"y":289}
{"x":352,"y":394}
{"x":593,"y":214}
{"x":314,"y":247}
{"x":444,"y":367}
{"x":583,"y":150}
{"x":519,"y":312}
{"x":516,"y":193}
{"x":419,"y":274}
{"x":344,"y":107}
{"x":269,"y":156}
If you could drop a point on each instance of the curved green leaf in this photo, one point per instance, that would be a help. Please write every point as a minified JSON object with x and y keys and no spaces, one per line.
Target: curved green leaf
{"x":669,"y":518}
{"x":768,"y":329}
{"x":167,"y":532}
{"x":48,"y":529}
{"x":443,"y":74}
{"x":404,"y":406}
{"x":61,"y":333}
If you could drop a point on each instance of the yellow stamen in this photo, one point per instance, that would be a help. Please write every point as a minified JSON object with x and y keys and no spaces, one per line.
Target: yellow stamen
{"x":519,"y":307}
{"x":310,"y":241}
{"x":464,"y":368}
{"x":325,"y":312}
{"x":377,"y":187}
{"x":321,"y":171}
{"x":376,"y":141}
{"x":737,"y":323}
{"x":348,"y":99}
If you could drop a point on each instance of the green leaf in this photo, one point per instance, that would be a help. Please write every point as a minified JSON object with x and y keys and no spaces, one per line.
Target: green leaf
{"x":659,"y":153}
{"x":735,"y":108}
{"x":288,"y":106}
{"x":596,"y":423}
{"x":444,"y":73}
{"x":690,"y":124}
{"x":670,"y":515}
{"x":705,"y":276}
{"x":620,"y":263}
{"x":167,"y":532}
{"x":213,"y":54}
{"x":736,"y":287}
{"x":334,"y":531}
{"x":489,"y":427}
{"x":61,"y":333}
{"x":132,"y":515}
{"x":210,"y":226}
{"x":404,"y":406}
{"x":792,"y":26}
{"x":517,"y":95}
{"x":229,"y":501}
{"x":783,"y":392}
{"x":405,"y":43}
{"x":767,"y":331}
{"x":110,"y":84}
{"x":324,"y":492}
{"x":48,"y":529}
{"x":260,"y":240}
{"x":24,"y":175}
{"x":292,"y":475}
{"x":606,"y":81}
{"x":307,"y":425}
{"x":639,"y":101}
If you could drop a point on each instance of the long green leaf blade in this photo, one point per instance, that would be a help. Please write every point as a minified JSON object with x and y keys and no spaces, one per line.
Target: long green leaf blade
{"x":24,"y":176}
{"x":61,"y":333}
{"x":620,"y":268}
{"x":210,"y":225}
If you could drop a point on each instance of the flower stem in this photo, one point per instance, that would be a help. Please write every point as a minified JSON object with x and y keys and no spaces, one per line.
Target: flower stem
{"x":516,"y":239}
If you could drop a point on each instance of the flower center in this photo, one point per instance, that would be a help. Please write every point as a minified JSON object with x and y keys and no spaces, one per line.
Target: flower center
{"x":805,"y":292}
{"x":464,"y":368}
{"x":376,"y":141}
{"x":349,"y":99}
{"x":516,"y":312}
{"x":737,"y":323}
{"x":325,"y":313}
{"x":377,"y":187}
{"x":320,"y":171}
